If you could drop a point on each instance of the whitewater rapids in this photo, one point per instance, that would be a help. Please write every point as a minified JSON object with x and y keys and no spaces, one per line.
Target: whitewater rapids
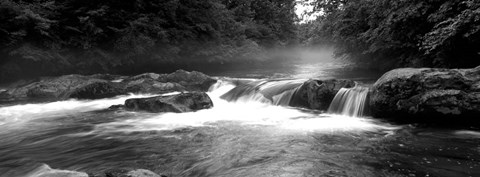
{"x":246,"y":137}
{"x":245,"y":111}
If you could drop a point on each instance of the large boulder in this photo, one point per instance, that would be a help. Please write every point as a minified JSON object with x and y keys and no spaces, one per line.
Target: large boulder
{"x":107,"y":77}
{"x":147,"y":76}
{"x":183,"y":102}
{"x":311,"y":94}
{"x":179,"y":80}
{"x":63,"y":87}
{"x":148,"y":85}
{"x":192,"y":81}
{"x":95,"y":90}
{"x":318,"y":94}
{"x":104,"y":85}
{"x":427,"y":93}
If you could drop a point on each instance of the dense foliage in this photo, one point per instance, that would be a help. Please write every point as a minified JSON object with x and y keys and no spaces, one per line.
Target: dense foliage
{"x":41,"y":37}
{"x":393,"y":33}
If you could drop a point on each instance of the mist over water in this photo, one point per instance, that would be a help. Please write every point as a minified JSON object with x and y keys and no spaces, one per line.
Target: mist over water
{"x":299,"y":63}
{"x":255,"y":134}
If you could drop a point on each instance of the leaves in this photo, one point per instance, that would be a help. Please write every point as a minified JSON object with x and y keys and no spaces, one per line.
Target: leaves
{"x":88,"y":36}
{"x":403,"y":33}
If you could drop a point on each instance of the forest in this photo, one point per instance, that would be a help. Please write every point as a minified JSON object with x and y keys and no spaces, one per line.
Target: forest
{"x":388,"y":34}
{"x":48,"y":37}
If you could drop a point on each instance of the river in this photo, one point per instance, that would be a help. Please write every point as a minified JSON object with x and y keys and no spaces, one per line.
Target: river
{"x":242,"y":138}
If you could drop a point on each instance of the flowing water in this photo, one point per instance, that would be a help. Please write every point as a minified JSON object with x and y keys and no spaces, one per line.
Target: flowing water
{"x":350,"y":102}
{"x":250,"y":131}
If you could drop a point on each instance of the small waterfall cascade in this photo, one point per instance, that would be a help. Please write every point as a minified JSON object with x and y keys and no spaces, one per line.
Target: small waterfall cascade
{"x":276,"y":92}
{"x":350,"y":102}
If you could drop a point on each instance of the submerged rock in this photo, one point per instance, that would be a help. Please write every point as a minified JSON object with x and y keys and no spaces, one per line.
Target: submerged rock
{"x":318,"y":94}
{"x":427,"y":93}
{"x":183,"y":102}
{"x":116,"y":107}
{"x":311,"y":94}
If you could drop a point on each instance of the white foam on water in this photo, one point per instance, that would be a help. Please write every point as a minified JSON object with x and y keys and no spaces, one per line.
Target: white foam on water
{"x":249,"y":111}
{"x":245,"y":112}
{"x":40,"y":110}
{"x":46,"y":171}
{"x":117,"y":81}
{"x":467,"y":133}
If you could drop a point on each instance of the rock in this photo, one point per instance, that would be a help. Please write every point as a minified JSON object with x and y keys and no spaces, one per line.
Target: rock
{"x":51,"y":87}
{"x":58,"y":88}
{"x":116,"y":172}
{"x":142,"y":173}
{"x":427,"y":92}
{"x":152,"y":86}
{"x":107,"y":77}
{"x":70,"y":86}
{"x":192,"y":81}
{"x":152,"y":76}
{"x":96,"y":90}
{"x":318,"y":94}
{"x":131,"y":173}
{"x":183,"y":102}
{"x":104,"y":85}
{"x":180,"y":80}
{"x":116,"y":107}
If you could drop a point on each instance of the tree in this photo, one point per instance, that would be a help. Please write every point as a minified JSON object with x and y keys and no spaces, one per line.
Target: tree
{"x":90,"y":36}
{"x":403,"y":33}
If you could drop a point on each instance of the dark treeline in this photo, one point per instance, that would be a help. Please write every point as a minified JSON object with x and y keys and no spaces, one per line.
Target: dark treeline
{"x":397,"y":33}
{"x":50,"y":37}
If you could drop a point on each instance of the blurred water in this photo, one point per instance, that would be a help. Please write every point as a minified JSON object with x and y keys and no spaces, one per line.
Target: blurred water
{"x":245,"y":137}
{"x":350,"y":102}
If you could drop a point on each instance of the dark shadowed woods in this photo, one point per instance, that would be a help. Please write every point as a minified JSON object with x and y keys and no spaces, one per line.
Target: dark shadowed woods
{"x":48,"y":37}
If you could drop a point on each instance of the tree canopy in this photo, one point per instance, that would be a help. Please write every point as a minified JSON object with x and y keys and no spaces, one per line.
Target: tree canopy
{"x":49,"y":37}
{"x":87,"y":36}
{"x":394,"y":33}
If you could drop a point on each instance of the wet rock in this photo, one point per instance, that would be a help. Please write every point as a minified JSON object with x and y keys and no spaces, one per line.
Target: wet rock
{"x":152,"y":86}
{"x":427,"y":93}
{"x":56,"y":88}
{"x":142,"y":173}
{"x":192,"y":81}
{"x":131,"y":173}
{"x":96,"y":90}
{"x":183,"y":102}
{"x":151,"y":76}
{"x":116,"y":172}
{"x":104,"y":85}
{"x":318,"y":94}
{"x":179,"y":80}
{"x":107,"y":77}
{"x":116,"y":107}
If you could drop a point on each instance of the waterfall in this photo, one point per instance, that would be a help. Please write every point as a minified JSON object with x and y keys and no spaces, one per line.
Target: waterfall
{"x":276,"y":92}
{"x":284,"y":98}
{"x":350,"y":102}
